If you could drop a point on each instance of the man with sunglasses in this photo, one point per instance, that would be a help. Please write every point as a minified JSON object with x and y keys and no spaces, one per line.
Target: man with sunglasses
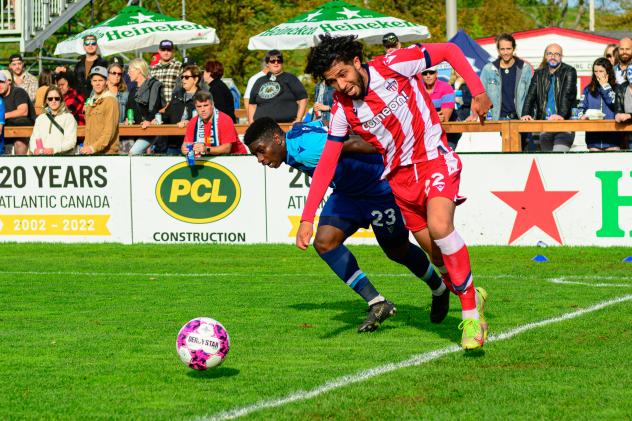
{"x":167,"y":70}
{"x":86,"y":63}
{"x":278,"y":95}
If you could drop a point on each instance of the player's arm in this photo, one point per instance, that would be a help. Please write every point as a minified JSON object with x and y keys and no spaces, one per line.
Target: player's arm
{"x":356,"y":144}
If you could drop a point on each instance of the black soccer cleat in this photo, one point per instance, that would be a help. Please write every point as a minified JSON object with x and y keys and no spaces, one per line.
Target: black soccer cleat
{"x":440,"y":306}
{"x":378,"y":312}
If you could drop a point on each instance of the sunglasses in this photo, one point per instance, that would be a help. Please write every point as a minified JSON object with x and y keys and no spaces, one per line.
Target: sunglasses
{"x":608,"y":55}
{"x":89,"y":43}
{"x":276,"y":61}
{"x":428,"y":72}
{"x":116,"y":73}
{"x":187,"y":77}
{"x":53,"y":98}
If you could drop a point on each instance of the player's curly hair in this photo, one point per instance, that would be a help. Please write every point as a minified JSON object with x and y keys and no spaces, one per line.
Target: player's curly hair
{"x":330,"y":50}
{"x":262,"y":129}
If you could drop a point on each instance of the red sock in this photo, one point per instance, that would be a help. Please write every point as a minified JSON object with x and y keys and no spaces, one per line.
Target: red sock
{"x":445,"y":277}
{"x":457,"y":260}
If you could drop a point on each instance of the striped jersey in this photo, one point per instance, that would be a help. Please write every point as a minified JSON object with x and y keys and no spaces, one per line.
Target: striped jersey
{"x":396,"y":115}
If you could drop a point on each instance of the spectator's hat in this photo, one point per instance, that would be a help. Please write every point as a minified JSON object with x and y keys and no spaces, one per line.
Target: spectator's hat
{"x":15,"y":56}
{"x":390,"y":40}
{"x":100,"y":71}
{"x":3,"y":76}
{"x":165,"y":45}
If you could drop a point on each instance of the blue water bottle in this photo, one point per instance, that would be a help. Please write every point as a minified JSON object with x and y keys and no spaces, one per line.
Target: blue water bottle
{"x":548,"y":113}
{"x":489,"y":115}
{"x":190,"y":156}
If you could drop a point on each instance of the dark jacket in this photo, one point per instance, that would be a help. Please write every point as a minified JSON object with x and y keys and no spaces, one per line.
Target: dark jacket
{"x":83,"y":85}
{"x":146,"y":101}
{"x":222,"y":98}
{"x":565,"y":92}
{"x":619,"y":102}
{"x":175,"y":109}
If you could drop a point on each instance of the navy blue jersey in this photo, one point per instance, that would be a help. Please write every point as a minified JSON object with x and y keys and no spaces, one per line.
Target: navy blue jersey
{"x":356,"y":174}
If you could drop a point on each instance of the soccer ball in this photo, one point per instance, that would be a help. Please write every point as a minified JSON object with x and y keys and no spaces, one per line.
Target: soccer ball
{"x":203,"y":343}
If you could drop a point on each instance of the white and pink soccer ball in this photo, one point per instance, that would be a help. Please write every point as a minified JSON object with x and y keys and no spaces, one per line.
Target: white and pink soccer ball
{"x":203,"y":343}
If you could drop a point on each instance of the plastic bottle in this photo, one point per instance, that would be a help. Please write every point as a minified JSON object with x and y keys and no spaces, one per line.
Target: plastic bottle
{"x":489,"y":115}
{"x":548,"y":114}
{"x":130,"y":116}
{"x":190,"y":156}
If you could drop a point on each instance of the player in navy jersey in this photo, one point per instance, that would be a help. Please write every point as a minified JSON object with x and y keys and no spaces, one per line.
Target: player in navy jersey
{"x":384,"y":102}
{"x":359,"y":199}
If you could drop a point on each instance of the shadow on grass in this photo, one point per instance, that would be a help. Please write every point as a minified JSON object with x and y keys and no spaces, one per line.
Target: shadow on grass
{"x":352,"y":313}
{"x":213,"y":373}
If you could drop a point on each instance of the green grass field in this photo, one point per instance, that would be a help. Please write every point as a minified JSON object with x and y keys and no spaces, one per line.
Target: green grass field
{"x":88,"y":332}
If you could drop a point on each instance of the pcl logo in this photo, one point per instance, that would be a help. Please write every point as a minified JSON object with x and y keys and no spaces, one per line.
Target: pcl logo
{"x":208,"y":193}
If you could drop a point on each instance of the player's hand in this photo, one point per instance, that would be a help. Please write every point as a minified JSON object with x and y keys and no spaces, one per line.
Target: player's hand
{"x":481,"y":104}
{"x":304,"y":234}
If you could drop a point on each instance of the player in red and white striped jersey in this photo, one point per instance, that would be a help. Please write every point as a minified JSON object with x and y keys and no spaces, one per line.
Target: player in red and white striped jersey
{"x":384,"y":102}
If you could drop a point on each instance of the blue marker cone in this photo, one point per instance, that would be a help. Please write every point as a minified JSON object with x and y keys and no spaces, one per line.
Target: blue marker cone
{"x":627,"y":259}
{"x":540,"y":259}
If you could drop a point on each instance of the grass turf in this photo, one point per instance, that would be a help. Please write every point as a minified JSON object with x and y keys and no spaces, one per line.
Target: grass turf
{"x":88,"y":331}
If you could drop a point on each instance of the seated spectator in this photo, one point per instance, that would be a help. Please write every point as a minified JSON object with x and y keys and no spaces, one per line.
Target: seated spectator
{"x":442,"y":96}
{"x":116,"y":85}
{"x":181,"y":109}
{"x":623,"y":103}
{"x":222,"y":97}
{"x":217,"y":136}
{"x":45,"y":81}
{"x":19,"y":111}
{"x":599,"y":98}
{"x":73,"y":99}
{"x":102,"y":117}
{"x":145,"y":101}
{"x":22,"y":78}
{"x":278,"y":95}
{"x":55,"y":130}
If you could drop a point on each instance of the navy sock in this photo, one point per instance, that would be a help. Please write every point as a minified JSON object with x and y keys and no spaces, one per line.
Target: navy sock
{"x":345,"y":265}
{"x":417,"y":262}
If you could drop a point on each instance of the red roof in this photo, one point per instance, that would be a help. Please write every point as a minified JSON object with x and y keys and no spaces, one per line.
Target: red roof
{"x":553,"y":30}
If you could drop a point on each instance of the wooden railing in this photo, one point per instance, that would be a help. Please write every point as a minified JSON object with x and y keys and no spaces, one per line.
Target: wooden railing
{"x":510,"y":129}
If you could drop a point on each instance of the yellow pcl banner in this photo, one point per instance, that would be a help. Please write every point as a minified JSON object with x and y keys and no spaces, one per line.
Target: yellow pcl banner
{"x":295,"y":220}
{"x":85,"y":225}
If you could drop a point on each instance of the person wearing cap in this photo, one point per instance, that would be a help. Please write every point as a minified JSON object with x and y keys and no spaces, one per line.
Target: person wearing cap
{"x":102,"y":117}
{"x":19,"y":111}
{"x":443,"y":97}
{"x":278,"y":95}
{"x":21,"y":77}
{"x":55,"y":130}
{"x":86,"y":63}
{"x":390,"y":42}
{"x":167,"y":70}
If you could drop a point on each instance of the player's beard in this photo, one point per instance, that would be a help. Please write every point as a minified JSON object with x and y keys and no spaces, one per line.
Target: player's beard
{"x":359,"y":83}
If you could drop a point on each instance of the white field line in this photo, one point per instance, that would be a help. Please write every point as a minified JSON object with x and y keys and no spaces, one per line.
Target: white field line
{"x":415,"y":360}
{"x":563,"y":281}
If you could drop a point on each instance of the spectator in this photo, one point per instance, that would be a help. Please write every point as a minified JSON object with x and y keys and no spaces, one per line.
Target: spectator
{"x":390,"y":42}
{"x":624,"y":52}
{"x":167,"y":70}
{"x":222,"y":97}
{"x":278,"y":95}
{"x":22,"y":78}
{"x":118,"y":87}
{"x":551,"y":96}
{"x":323,"y":100}
{"x":609,"y":53}
{"x":74,"y":100}
{"x":45,"y":81}
{"x":507,"y":80}
{"x":218,"y":136}
{"x":102,"y":117}
{"x":251,"y":82}
{"x":442,"y":96}
{"x":145,"y":100}
{"x":85,"y":64}
{"x":19,"y":111}
{"x":623,"y":103}
{"x":599,"y":98}
{"x":463,"y":99}
{"x":181,"y":109}
{"x":55,"y":130}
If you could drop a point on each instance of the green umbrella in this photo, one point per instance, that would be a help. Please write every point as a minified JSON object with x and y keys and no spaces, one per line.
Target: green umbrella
{"x":335,"y":18}
{"x":139,"y":29}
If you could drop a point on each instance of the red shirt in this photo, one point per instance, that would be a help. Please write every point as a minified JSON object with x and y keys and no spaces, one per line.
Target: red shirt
{"x":226,"y":133}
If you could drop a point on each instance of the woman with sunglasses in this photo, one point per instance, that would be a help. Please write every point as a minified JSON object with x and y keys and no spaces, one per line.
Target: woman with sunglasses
{"x":116,"y":84}
{"x":181,"y":108}
{"x":55,"y":130}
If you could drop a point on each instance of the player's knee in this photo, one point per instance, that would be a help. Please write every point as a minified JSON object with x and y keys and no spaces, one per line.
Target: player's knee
{"x":323,"y":244}
{"x":440,"y":227}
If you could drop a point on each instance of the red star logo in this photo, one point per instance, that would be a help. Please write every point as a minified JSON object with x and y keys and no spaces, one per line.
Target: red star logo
{"x":534,"y":206}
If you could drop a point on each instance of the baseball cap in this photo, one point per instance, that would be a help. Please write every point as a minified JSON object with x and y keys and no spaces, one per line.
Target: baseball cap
{"x":15,"y":56}
{"x":390,"y":40}
{"x":99,"y":70}
{"x":165,"y":45}
{"x":3,"y":77}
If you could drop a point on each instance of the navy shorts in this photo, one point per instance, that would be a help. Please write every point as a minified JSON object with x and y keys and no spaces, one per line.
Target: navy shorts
{"x":351,"y":213}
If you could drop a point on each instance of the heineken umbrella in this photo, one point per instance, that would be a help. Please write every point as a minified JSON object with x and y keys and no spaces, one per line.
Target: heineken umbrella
{"x":335,"y":18}
{"x":139,"y":29}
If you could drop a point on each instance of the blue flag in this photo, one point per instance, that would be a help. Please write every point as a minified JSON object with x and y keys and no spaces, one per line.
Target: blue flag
{"x":475,"y":54}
